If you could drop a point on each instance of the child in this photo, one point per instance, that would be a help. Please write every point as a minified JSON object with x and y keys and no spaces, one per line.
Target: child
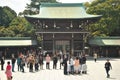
{"x":8,"y":71}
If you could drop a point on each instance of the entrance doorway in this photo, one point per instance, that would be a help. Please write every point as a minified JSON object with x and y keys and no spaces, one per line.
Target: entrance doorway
{"x":62,"y":45}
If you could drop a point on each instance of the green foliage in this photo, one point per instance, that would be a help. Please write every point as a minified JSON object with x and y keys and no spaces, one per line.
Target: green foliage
{"x":21,"y":27}
{"x":6,"y":32}
{"x":12,"y":25}
{"x":39,"y":39}
{"x":6,"y":16}
{"x":109,"y":24}
{"x":33,"y":7}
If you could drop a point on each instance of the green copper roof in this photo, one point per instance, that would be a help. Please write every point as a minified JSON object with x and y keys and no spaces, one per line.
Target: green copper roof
{"x":62,"y":10}
{"x":106,"y":41}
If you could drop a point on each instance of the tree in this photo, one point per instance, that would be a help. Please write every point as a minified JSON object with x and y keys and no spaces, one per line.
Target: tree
{"x":7,"y":15}
{"x":33,"y":7}
{"x":21,"y":27}
{"x":12,"y":25}
{"x":6,"y":32}
{"x":108,"y":25}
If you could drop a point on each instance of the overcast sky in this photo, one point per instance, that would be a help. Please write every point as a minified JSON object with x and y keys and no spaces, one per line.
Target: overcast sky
{"x":19,"y":5}
{"x":73,"y":1}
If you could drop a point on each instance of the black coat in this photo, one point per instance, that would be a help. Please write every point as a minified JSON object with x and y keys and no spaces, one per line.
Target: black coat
{"x":2,"y":61}
{"x":108,"y":65}
{"x":65,"y":66}
{"x":13,"y":60}
{"x":55,"y":59}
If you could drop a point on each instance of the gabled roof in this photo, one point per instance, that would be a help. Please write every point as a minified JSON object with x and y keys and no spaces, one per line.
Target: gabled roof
{"x":105,"y":41}
{"x":62,"y":10}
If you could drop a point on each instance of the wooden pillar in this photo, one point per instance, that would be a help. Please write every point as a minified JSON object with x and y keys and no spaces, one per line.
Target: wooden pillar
{"x":42,"y":43}
{"x":119,"y":52}
{"x":72,"y":45}
{"x":83,"y":41}
{"x":53,"y":44}
{"x":106,"y":52}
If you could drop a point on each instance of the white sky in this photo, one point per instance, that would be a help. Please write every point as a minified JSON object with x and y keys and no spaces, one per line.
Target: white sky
{"x":19,"y":5}
{"x":73,"y":1}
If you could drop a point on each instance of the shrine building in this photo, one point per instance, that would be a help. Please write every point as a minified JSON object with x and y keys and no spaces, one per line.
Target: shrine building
{"x":62,"y":26}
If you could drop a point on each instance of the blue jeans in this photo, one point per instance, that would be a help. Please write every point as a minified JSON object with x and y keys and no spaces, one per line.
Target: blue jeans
{"x":13,"y":65}
{"x":72,"y":69}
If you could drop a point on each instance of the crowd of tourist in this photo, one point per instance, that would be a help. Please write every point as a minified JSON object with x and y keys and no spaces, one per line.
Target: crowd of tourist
{"x":35,"y":62}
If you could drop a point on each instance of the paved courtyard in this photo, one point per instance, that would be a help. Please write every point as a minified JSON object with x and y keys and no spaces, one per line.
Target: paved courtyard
{"x":96,"y":71}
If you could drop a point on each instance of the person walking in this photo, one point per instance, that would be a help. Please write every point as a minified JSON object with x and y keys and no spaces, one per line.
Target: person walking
{"x":8,"y":71}
{"x":2,"y":63}
{"x":108,"y":67}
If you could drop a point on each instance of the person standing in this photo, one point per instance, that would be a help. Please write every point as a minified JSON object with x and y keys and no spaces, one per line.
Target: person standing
{"x":61,"y":61}
{"x":72,"y":65}
{"x":2,"y":63}
{"x":13,"y":63}
{"x":76,"y":65}
{"x":108,"y":67}
{"x":41,"y":61}
{"x":19,"y":63}
{"x":65,"y":64}
{"x":95,"y":57}
{"x":8,"y":71}
{"x":22,"y":63}
{"x":83,"y":64}
{"x":36,"y":65}
{"x":48,"y":61}
{"x":31,"y":62}
{"x":55,"y":59}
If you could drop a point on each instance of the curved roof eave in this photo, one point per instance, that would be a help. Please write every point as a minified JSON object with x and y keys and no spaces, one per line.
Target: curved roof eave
{"x":77,"y":17}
